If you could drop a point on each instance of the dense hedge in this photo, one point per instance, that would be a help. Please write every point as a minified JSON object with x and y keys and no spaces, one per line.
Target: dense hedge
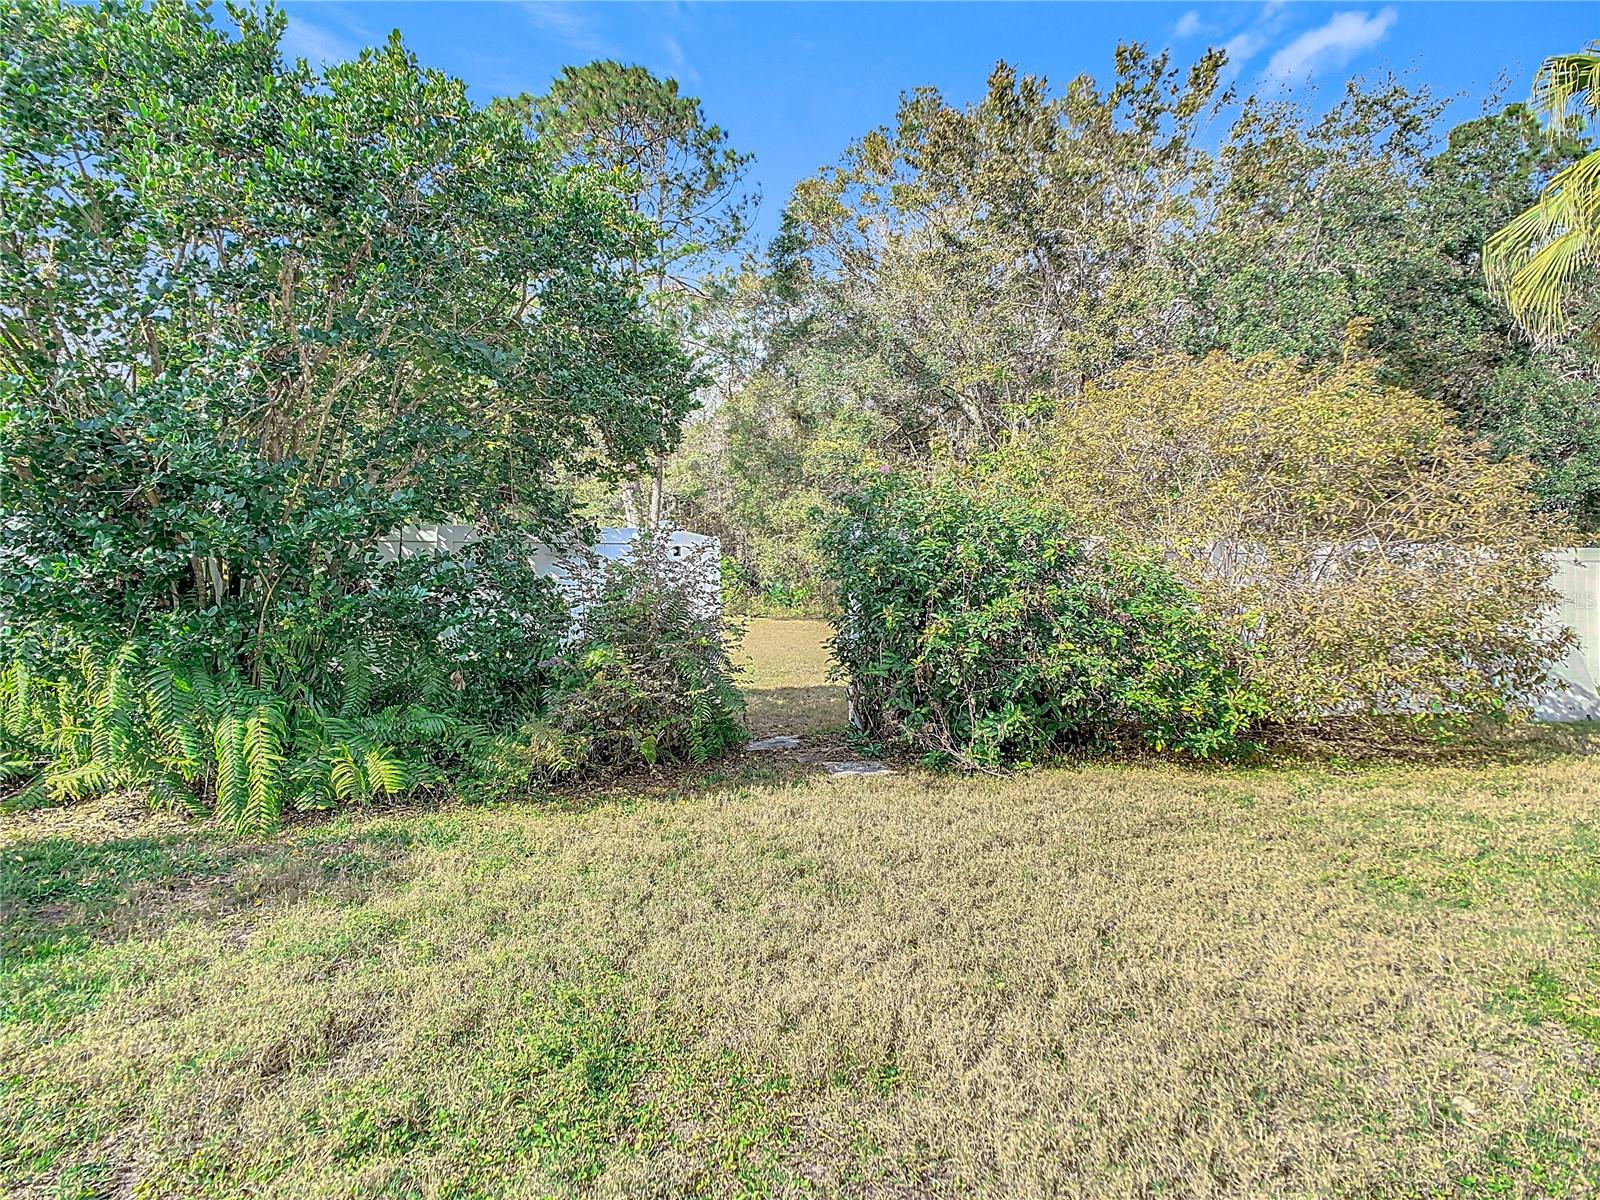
{"x":1374,"y":557}
{"x":985,"y":631}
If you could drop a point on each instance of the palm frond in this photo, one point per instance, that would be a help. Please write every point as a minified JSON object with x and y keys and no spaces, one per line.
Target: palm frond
{"x":356,"y":667}
{"x":16,"y":695}
{"x":345,"y":777}
{"x":1566,"y":89}
{"x":1534,"y":263}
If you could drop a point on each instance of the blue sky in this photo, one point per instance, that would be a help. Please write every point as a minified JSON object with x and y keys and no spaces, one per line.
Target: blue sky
{"x":795,"y":83}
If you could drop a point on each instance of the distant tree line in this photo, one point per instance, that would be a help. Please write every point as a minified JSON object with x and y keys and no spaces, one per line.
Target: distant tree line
{"x":961,"y":274}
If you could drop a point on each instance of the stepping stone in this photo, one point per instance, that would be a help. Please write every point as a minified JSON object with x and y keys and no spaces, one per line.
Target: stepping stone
{"x":778,"y":741}
{"x":857,"y":767}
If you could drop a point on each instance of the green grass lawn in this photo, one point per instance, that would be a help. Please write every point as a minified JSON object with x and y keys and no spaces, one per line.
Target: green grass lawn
{"x":1115,"y":980}
{"x":784,"y":669}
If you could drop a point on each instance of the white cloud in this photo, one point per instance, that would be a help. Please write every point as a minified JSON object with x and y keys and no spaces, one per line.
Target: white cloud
{"x":317,"y":44}
{"x":1242,"y":47}
{"x":1332,"y":45}
{"x":567,"y":25}
{"x":1188,"y":25}
{"x":1255,"y":37}
{"x":682,"y":69}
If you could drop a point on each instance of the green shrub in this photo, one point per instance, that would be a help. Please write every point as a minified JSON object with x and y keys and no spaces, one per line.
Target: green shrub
{"x":747,"y":594}
{"x":647,"y":678}
{"x":225,"y":641}
{"x":209,"y":741}
{"x":739,"y":586}
{"x":475,"y":625}
{"x":984,"y":632}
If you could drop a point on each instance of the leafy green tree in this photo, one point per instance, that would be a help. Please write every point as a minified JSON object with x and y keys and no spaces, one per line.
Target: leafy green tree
{"x":947,"y":281}
{"x":1303,"y":222}
{"x":256,"y":317}
{"x":964,"y":273}
{"x":1354,"y":216}
{"x":672,"y":168}
{"x":1450,"y":339}
{"x":968,"y":262}
{"x":1541,"y":262}
{"x":1445,"y":331}
{"x":669,"y":164}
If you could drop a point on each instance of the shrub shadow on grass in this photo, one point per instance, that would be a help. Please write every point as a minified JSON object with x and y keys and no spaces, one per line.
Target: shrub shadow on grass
{"x":1347,"y":755}
{"x":784,"y":669}
{"x":796,"y":710}
{"x":1483,"y":744}
{"x":72,"y":878}
{"x":60,"y":894}
{"x":732,"y":775}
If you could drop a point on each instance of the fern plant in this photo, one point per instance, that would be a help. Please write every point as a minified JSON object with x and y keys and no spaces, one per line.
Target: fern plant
{"x":212,"y":743}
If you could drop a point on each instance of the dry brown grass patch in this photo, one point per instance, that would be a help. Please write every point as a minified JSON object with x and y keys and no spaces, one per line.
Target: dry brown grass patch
{"x":1123,"y":980}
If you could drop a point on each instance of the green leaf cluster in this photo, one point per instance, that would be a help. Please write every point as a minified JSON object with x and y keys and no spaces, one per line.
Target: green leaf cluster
{"x":983,"y":631}
{"x":210,"y":744}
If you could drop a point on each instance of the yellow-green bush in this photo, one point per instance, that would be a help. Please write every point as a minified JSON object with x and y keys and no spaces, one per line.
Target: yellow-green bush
{"x":1369,"y":553}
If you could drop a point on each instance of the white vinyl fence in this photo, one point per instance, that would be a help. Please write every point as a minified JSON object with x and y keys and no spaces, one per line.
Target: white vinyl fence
{"x":697,"y":550}
{"x":1577,"y":577}
{"x":1574,"y":695}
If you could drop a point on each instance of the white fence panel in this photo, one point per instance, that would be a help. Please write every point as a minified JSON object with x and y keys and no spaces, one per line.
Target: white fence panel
{"x":1576,"y":575}
{"x":1575,"y":695}
{"x":698,"y":549}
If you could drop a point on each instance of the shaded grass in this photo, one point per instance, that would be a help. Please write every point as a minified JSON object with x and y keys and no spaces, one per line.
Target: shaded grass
{"x":1118,"y":980}
{"x":785,"y":665}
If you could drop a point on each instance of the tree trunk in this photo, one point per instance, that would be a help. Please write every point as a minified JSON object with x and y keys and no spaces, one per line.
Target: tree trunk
{"x":657,"y":487}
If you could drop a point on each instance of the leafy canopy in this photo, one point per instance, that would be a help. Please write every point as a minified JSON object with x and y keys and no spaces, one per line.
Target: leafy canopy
{"x":668,"y":163}
{"x":675,"y":170}
{"x":256,"y":317}
{"x":962,"y":272}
